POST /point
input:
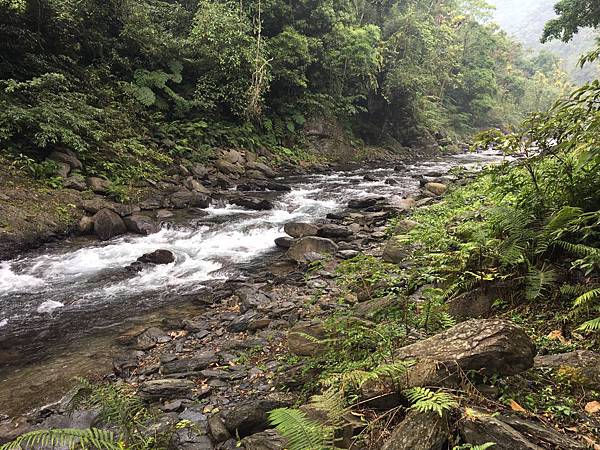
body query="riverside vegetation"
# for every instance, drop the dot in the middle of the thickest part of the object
(468, 318)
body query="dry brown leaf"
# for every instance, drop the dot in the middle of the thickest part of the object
(557, 334)
(592, 407)
(516, 407)
(591, 443)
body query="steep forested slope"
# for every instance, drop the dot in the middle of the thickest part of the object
(525, 19)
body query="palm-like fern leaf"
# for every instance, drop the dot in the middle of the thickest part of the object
(301, 432)
(590, 325)
(425, 400)
(69, 437)
(585, 300)
(539, 282)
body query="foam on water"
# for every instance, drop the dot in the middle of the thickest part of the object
(48, 306)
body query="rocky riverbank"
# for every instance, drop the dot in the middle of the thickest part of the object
(225, 369)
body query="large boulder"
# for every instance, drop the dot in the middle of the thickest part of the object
(257, 204)
(66, 157)
(508, 433)
(108, 224)
(583, 364)
(265, 440)
(436, 188)
(311, 248)
(473, 304)
(188, 199)
(334, 231)
(62, 169)
(166, 389)
(300, 229)
(141, 224)
(419, 431)
(263, 168)
(228, 168)
(284, 242)
(363, 202)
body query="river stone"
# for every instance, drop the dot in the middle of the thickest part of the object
(166, 389)
(108, 224)
(186, 199)
(141, 224)
(196, 186)
(217, 428)
(436, 188)
(193, 364)
(150, 337)
(250, 417)
(255, 175)
(307, 248)
(99, 185)
(263, 168)
(66, 157)
(284, 242)
(583, 364)
(334, 231)
(265, 440)
(256, 204)
(419, 431)
(300, 229)
(160, 256)
(307, 339)
(394, 251)
(363, 202)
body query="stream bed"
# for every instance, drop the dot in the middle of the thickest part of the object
(62, 306)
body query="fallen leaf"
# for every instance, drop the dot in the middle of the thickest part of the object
(592, 407)
(516, 407)
(591, 443)
(557, 334)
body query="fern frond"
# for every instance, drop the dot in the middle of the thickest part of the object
(584, 300)
(426, 400)
(300, 432)
(332, 403)
(70, 437)
(579, 249)
(590, 325)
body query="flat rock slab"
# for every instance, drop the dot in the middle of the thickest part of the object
(585, 363)
(166, 389)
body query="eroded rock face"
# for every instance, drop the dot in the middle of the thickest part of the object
(251, 416)
(108, 224)
(310, 248)
(419, 431)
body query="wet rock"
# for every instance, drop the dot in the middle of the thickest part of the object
(160, 256)
(141, 224)
(307, 339)
(188, 199)
(256, 204)
(251, 417)
(436, 188)
(311, 248)
(166, 389)
(334, 231)
(108, 224)
(217, 428)
(164, 214)
(284, 242)
(583, 364)
(66, 157)
(125, 210)
(241, 322)
(96, 204)
(508, 433)
(391, 182)
(300, 229)
(370, 177)
(419, 431)
(265, 440)
(363, 202)
(86, 225)
(193, 364)
(348, 254)
(99, 185)
(263, 168)
(150, 338)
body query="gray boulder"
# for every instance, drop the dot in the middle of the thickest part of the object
(585, 363)
(263, 168)
(307, 339)
(300, 229)
(99, 185)
(334, 231)
(265, 440)
(141, 224)
(284, 242)
(66, 157)
(250, 417)
(419, 431)
(166, 389)
(309, 248)
(188, 199)
(194, 364)
(256, 204)
(108, 224)
(364, 202)
(160, 256)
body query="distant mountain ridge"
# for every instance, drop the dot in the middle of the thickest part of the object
(525, 19)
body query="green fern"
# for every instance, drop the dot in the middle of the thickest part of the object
(474, 447)
(590, 325)
(300, 432)
(539, 282)
(585, 300)
(426, 400)
(71, 438)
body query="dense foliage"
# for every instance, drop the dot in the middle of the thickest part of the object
(126, 84)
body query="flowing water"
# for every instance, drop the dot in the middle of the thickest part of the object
(60, 306)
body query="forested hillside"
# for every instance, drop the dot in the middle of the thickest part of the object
(525, 19)
(131, 85)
